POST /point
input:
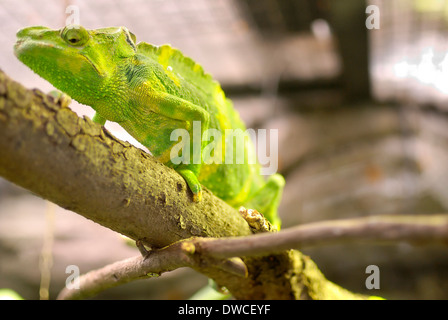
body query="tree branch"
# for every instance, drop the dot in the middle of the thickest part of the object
(157, 261)
(414, 229)
(417, 229)
(78, 165)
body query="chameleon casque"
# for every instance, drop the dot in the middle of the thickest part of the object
(150, 91)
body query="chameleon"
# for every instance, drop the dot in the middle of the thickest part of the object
(151, 91)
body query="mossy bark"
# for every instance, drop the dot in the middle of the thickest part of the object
(77, 164)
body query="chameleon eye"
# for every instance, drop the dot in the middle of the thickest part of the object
(75, 35)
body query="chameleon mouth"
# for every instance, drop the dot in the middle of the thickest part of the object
(24, 46)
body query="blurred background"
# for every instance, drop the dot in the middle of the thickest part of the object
(359, 100)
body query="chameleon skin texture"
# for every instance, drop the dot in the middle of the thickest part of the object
(151, 91)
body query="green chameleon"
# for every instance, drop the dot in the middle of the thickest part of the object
(152, 91)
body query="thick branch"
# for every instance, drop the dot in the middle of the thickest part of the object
(78, 165)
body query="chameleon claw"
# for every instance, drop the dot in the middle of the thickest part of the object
(256, 221)
(197, 197)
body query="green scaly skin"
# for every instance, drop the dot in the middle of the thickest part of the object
(150, 91)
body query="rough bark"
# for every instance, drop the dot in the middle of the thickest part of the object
(80, 166)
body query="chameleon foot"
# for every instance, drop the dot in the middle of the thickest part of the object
(257, 222)
(197, 197)
(193, 183)
(61, 98)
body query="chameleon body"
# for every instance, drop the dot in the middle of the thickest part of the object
(151, 91)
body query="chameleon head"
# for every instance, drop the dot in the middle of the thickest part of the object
(73, 59)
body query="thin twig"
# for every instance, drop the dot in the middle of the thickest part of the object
(156, 262)
(392, 229)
